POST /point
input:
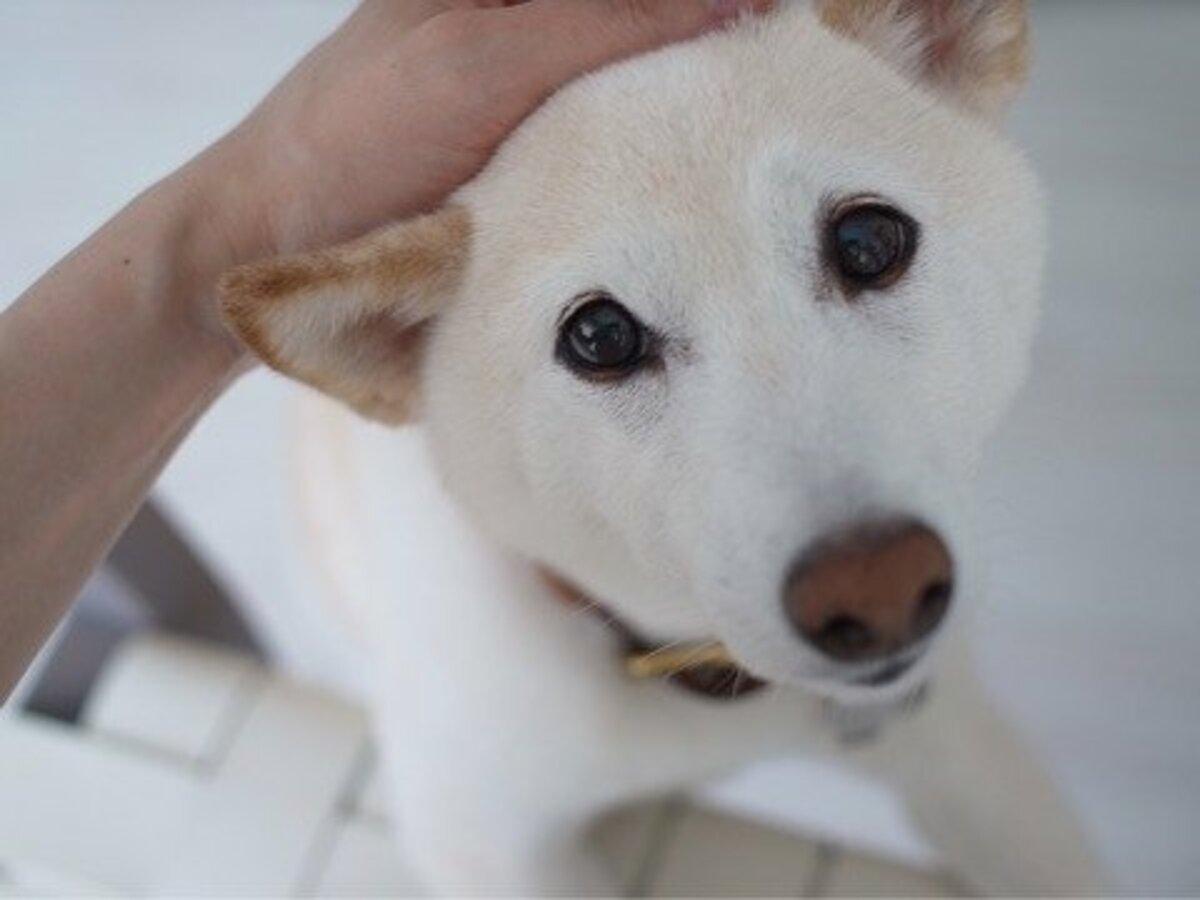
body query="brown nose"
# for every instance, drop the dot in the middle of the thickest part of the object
(871, 591)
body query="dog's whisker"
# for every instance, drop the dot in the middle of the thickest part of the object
(739, 677)
(599, 614)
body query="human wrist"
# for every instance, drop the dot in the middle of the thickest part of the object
(198, 223)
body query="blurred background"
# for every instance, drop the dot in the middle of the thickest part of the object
(1090, 636)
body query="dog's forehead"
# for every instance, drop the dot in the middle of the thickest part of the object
(685, 133)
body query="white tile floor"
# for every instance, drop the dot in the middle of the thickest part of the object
(1093, 626)
(183, 742)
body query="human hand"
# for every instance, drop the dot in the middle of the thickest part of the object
(408, 100)
(112, 355)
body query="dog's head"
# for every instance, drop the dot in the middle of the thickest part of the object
(720, 333)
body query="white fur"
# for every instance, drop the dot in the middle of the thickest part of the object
(689, 183)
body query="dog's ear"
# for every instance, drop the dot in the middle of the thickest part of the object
(350, 320)
(974, 51)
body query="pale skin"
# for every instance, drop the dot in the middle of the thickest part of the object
(108, 360)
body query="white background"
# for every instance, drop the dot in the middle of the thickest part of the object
(1091, 634)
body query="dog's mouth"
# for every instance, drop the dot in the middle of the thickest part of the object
(886, 674)
(706, 668)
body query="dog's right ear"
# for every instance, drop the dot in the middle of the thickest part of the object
(351, 320)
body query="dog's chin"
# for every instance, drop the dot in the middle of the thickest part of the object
(889, 684)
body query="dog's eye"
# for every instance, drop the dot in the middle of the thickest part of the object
(602, 339)
(871, 245)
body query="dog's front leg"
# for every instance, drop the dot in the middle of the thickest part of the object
(982, 798)
(493, 786)
(457, 846)
(485, 810)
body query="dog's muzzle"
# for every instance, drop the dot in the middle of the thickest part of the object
(709, 670)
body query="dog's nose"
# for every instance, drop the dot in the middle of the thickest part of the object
(871, 591)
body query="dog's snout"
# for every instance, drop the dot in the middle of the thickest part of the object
(871, 591)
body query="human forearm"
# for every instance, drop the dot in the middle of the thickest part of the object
(104, 365)
(106, 362)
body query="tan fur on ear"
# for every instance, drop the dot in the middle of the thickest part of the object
(350, 320)
(975, 51)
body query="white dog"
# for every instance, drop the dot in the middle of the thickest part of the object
(705, 359)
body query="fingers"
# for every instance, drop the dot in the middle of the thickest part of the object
(409, 13)
(661, 21)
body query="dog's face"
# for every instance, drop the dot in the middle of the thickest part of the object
(720, 334)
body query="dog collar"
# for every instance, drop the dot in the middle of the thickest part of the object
(703, 668)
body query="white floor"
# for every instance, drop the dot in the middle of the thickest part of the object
(1093, 626)
(187, 744)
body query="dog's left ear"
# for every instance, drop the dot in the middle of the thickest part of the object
(974, 51)
(351, 320)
